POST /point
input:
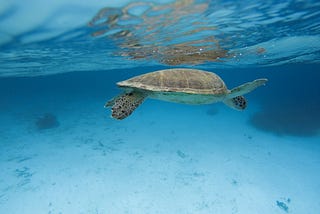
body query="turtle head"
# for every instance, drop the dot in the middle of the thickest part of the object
(238, 103)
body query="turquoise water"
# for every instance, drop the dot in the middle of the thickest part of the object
(61, 152)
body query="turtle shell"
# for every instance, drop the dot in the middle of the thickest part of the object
(191, 81)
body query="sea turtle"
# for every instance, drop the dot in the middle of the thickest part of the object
(180, 85)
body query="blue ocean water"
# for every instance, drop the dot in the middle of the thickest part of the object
(61, 152)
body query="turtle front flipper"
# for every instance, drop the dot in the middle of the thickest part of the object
(125, 104)
(111, 102)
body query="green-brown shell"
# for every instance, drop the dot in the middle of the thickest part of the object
(190, 81)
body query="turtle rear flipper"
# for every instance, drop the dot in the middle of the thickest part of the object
(125, 104)
(246, 88)
(235, 99)
(238, 103)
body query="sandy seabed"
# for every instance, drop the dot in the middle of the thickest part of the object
(165, 158)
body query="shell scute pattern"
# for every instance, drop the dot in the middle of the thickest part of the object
(178, 80)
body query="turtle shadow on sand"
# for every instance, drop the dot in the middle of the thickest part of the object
(212, 111)
(47, 121)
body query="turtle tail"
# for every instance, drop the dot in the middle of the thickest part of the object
(238, 103)
(125, 104)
